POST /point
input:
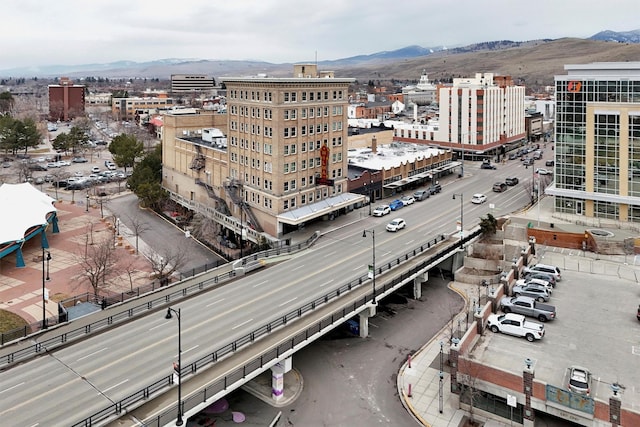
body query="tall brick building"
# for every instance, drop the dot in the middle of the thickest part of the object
(66, 100)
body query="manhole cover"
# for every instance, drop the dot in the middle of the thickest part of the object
(601, 233)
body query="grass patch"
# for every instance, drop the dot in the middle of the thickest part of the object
(10, 321)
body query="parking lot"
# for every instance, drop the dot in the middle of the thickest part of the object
(596, 327)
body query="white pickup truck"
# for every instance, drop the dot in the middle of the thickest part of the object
(515, 324)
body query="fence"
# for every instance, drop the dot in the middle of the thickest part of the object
(109, 300)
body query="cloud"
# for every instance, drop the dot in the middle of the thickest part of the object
(79, 32)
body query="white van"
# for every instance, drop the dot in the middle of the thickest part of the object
(544, 268)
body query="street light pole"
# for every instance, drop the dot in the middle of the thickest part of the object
(370, 192)
(178, 369)
(461, 196)
(373, 275)
(440, 383)
(462, 155)
(44, 299)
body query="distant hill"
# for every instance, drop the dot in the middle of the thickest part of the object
(617, 36)
(533, 62)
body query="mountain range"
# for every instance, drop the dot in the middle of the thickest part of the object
(534, 61)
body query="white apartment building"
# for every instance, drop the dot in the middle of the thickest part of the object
(476, 116)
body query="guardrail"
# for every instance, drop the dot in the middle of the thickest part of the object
(270, 355)
(127, 314)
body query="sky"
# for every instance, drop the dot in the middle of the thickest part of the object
(73, 32)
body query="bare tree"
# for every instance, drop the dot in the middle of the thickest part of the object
(468, 371)
(98, 263)
(137, 227)
(167, 261)
(130, 270)
(204, 228)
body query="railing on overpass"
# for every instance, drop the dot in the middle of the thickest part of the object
(273, 354)
(125, 315)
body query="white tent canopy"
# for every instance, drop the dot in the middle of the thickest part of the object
(22, 206)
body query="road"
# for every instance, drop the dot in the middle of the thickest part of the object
(158, 233)
(74, 382)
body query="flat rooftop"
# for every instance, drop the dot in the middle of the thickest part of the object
(390, 155)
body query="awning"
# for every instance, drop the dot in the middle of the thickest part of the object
(324, 207)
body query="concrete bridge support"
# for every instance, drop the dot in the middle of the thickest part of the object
(417, 284)
(277, 378)
(364, 320)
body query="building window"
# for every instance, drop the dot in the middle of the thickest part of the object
(293, 184)
(293, 202)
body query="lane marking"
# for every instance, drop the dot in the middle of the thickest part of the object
(242, 324)
(287, 302)
(215, 302)
(297, 268)
(261, 283)
(92, 354)
(158, 326)
(189, 349)
(11, 388)
(115, 385)
(327, 282)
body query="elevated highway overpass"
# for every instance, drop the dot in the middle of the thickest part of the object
(127, 370)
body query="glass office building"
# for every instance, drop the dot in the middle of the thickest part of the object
(597, 141)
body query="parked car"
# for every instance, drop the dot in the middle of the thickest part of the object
(537, 292)
(579, 380)
(478, 198)
(515, 324)
(527, 306)
(499, 187)
(540, 275)
(548, 286)
(6, 165)
(435, 188)
(511, 181)
(527, 161)
(513, 156)
(408, 200)
(487, 166)
(421, 195)
(382, 210)
(544, 268)
(396, 224)
(396, 204)
(537, 155)
(79, 160)
(112, 166)
(95, 169)
(549, 163)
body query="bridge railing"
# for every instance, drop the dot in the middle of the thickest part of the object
(273, 354)
(128, 313)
